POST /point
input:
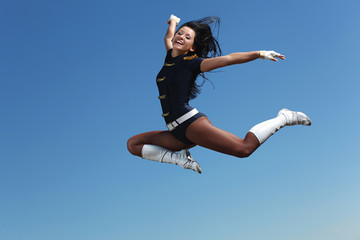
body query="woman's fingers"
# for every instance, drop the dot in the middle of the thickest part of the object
(282, 57)
(274, 55)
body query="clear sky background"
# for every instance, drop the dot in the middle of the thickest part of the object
(77, 79)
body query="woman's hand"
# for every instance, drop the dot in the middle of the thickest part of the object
(175, 18)
(271, 55)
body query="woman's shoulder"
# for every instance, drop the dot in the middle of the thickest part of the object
(193, 61)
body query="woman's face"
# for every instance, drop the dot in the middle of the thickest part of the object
(183, 40)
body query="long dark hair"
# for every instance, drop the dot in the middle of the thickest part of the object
(206, 46)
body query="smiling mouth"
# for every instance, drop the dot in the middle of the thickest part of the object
(179, 42)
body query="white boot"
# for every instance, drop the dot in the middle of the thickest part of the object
(294, 118)
(285, 118)
(160, 154)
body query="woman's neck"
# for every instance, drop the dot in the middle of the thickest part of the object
(175, 53)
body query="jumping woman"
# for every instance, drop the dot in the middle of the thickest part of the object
(191, 51)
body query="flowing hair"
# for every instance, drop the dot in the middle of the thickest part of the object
(206, 45)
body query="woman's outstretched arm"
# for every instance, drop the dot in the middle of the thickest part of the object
(173, 22)
(237, 58)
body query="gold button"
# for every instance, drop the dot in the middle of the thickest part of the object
(165, 114)
(160, 79)
(161, 97)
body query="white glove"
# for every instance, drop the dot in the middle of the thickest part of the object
(173, 17)
(270, 55)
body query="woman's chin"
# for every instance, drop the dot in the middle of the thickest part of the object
(178, 47)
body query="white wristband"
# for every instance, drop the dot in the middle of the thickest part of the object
(270, 55)
(173, 17)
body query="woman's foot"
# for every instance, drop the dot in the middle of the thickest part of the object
(294, 118)
(188, 162)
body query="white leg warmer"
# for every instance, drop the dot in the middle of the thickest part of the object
(160, 154)
(285, 118)
(265, 129)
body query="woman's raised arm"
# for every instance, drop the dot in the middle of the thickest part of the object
(173, 22)
(209, 64)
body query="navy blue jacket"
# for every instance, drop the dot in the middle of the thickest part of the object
(174, 82)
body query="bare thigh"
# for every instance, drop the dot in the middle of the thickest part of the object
(160, 138)
(203, 133)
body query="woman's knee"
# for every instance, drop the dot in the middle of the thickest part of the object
(244, 151)
(133, 146)
(243, 154)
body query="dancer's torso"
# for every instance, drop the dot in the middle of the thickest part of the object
(174, 82)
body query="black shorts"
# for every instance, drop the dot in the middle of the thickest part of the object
(179, 131)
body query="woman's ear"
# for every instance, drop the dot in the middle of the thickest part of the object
(193, 48)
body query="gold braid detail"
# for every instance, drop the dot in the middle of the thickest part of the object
(190, 57)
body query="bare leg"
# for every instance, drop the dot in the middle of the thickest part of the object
(162, 146)
(159, 138)
(203, 133)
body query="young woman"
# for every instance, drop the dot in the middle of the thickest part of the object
(192, 51)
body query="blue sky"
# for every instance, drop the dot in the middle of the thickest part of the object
(77, 79)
